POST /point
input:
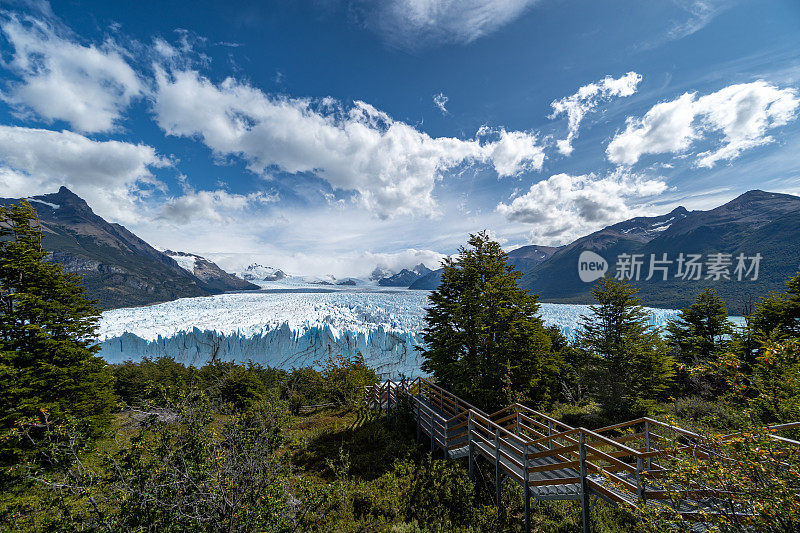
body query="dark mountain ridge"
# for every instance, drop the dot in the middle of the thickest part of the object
(405, 277)
(755, 222)
(118, 268)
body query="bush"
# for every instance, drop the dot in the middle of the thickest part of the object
(345, 379)
(151, 379)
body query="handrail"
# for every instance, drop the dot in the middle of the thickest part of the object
(560, 462)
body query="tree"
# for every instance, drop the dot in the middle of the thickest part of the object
(47, 332)
(775, 382)
(701, 330)
(484, 339)
(345, 378)
(779, 312)
(628, 365)
(750, 476)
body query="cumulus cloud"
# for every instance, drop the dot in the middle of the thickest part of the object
(391, 164)
(440, 101)
(415, 23)
(741, 115)
(588, 97)
(563, 206)
(211, 206)
(59, 79)
(108, 174)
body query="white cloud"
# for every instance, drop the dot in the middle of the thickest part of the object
(109, 175)
(564, 207)
(392, 165)
(513, 151)
(742, 114)
(211, 206)
(587, 99)
(440, 101)
(415, 23)
(87, 86)
(346, 264)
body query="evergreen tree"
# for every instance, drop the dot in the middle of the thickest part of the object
(47, 327)
(701, 330)
(485, 341)
(628, 364)
(779, 312)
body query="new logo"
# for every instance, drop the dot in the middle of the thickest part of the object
(591, 266)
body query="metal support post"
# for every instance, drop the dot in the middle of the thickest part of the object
(470, 447)
(584, 484)
(527, 488)
(497, 465)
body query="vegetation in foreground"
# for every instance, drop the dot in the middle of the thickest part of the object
(157, 446)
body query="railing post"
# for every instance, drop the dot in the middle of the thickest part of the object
(647, 443)
(389, 399)
(527, 487)
(497, 465)
(550, 433)
(380, 399)
(418, 415)
(639, 485)
(516, 408)
(470, 446)
(433, 431)
(584, 483)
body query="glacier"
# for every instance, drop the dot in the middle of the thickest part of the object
(290, 327)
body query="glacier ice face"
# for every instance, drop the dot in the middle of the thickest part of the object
(292, 327)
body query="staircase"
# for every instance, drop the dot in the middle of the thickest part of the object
(547, 458)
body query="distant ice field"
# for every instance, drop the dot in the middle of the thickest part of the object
(292, 326)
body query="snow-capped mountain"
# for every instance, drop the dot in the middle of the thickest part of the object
(380, 273)
(405, 277)
(117, 268)
(209, 272)
(257, 272)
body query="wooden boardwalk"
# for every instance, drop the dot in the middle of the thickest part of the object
(547, 458)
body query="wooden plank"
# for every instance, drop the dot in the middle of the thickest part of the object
(554, 451)
(556, 481)
(594, 453)
(537, 435)
(607, 492)
(506, 418)
(532, 421)
(554, 466)
(620, 425)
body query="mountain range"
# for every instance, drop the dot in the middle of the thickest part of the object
(757, 222)
(118, 268)
(404, 278)
(122, 270)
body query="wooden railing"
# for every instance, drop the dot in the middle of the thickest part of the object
(549, 459)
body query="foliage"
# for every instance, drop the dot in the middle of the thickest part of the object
(151, 379)
(624, 363)
(776, 382)
(747, 482)
(701, 330)
(779, 312)
(305, 386)
(191, 472)
(47, 328)
(697, 336)
(345, 378)
(484, 339)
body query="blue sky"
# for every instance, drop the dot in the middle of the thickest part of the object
(329, 136)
